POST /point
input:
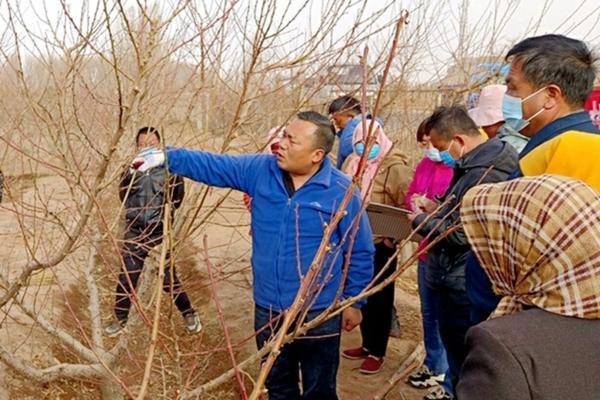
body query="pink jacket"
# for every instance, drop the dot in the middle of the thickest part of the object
(431, 179)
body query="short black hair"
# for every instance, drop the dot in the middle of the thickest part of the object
(560, 60)
(324, 134)
(449, 120)
(346, 104)
(146, 130)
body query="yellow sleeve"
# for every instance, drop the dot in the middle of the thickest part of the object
(485, 135)
(574, 154)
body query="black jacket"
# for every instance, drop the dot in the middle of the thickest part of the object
(145, 196)
(446, 260)
(532, 355)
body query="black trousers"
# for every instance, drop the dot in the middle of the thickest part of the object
(315, 357)
(377, 322)
(454, 320)
(138, 243)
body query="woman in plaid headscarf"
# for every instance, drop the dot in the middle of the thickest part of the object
(538, 240)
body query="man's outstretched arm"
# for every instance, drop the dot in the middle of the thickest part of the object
(238, 172)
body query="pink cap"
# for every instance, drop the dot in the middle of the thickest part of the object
(489, 109)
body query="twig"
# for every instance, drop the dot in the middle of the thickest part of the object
(221, 318)
(159, 285)
(408, 365)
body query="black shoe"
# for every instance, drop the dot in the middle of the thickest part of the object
(423, 378)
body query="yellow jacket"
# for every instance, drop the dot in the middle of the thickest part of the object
(569, 146)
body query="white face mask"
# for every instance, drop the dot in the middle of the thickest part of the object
(433, 154)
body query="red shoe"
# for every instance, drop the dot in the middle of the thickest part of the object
(371, 365)
(355, 354)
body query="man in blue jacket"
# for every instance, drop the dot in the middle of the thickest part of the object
(345, 111)
(290, 207)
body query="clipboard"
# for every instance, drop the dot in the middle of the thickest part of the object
(392, 222)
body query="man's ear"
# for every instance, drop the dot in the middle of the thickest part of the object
(554, 96)
(318, 156)
(459, 139)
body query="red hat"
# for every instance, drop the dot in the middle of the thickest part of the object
(593, 101)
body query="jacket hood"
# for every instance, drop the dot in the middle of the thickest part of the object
(494, 152)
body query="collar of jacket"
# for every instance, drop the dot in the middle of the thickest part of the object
(579, 121)
(507, 130)
(322, 177)
(350, 126)
(491, 152)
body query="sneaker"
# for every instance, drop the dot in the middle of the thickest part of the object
(371, 365)
(355, 354)
(395, 331)
(115, 328)
(438, 393)
(192, 323)
(424, 378)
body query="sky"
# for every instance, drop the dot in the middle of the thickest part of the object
(576, 18)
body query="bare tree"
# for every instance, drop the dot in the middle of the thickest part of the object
(75, 85)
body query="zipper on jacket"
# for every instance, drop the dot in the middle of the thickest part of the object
(282, 235)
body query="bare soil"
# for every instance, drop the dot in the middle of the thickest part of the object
(61, 296)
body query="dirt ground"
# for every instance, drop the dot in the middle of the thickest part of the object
(229, 244)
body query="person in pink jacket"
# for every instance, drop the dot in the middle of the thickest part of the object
(432, 178)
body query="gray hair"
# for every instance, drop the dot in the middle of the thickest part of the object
(557, 59)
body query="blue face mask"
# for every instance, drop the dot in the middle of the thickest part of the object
(433, 154)
(447, 158)
(512, 109)
(360, 149)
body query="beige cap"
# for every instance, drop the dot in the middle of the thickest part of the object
(489, 109)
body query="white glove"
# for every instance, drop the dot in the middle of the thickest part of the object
(149, 158)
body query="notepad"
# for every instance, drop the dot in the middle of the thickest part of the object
(392, 222)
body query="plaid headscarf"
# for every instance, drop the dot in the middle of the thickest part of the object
(538, 239)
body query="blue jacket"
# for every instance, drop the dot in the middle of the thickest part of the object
(345, 135)
(278, 258)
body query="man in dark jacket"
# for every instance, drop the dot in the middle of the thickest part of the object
(475, 161)
(144, 194)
